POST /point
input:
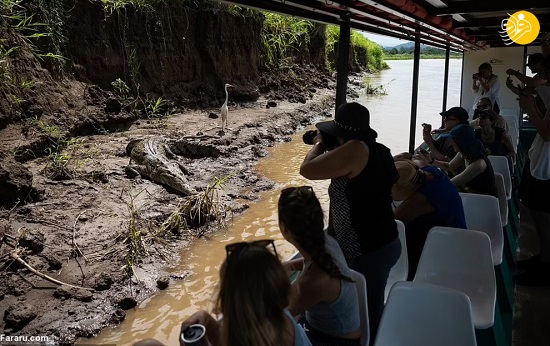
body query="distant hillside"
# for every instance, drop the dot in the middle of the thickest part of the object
(405, 50)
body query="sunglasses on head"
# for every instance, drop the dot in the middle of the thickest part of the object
(237, 247)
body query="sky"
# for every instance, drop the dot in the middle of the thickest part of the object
(384, 41)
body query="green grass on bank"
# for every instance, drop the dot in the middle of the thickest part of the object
(375, 54)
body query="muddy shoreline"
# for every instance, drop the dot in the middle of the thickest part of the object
(79, 232)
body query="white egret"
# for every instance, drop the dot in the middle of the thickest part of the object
(224, 107)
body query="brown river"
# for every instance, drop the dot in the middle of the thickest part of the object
(160, 317)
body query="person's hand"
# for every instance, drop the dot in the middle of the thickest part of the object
(423, 156)
(427, 132)
(475, 76)
(509, 81)
(527, 101)
(199, 317)
(511, 72)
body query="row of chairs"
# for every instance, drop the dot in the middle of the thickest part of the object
(456, 273)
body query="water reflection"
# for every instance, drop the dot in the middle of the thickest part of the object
(160, 317)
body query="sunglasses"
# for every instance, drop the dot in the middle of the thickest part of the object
(240, 246)
(483, 106)
(449, 119)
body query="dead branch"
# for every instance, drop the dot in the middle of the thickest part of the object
(199, 137)
(16, 257)
(75, 245)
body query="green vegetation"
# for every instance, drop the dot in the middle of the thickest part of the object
(375, 54)
(282, 34)
(407, 52)
(197, 210)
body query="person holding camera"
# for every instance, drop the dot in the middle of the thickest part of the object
(441, 149)
(362, 174)
(486, 84)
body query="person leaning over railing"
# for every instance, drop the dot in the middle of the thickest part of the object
(428, 198)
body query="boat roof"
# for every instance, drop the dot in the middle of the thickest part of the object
(459, 24)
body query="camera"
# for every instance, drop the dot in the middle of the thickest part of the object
(329, 141)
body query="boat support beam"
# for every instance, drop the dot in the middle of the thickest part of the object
(414, 98)
(343, 60)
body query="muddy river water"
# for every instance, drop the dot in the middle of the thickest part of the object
(160, 317)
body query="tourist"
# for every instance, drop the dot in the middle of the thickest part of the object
(478, 175)
(441, 148)
(253, 297)
(486, 84)
(325, 295)
(429, 199)
(362, 174)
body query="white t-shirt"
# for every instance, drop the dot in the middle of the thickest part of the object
(493, 94)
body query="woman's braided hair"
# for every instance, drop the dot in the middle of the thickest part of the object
(302, 215)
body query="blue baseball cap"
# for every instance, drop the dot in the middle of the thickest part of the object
(463, 135)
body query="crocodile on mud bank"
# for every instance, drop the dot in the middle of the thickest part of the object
(156, 159)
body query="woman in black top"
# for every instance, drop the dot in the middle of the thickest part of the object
(362, 174)
(478, 175)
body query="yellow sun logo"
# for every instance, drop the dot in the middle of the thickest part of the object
(522, 27)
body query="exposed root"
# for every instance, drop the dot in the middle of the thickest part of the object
(16, 257)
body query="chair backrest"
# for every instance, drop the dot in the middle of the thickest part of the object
(361, 285)
(426, 315)
(400, 270)
(513, 128)
(461, 259)
(500, 165)
(502, 202)
(482, 214)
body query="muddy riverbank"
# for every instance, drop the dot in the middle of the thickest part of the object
(80, 230)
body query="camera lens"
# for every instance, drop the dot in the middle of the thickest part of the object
(309, 136)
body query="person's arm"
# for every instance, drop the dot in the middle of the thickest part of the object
(413, 207)
(527, 102)
(309, 291)
(294, 265)
(510, 151)
(530, 82)
(469, 173)
(428, 139)
(486, 86)
(456, 162)
(346, 160)
(212, 327)
(510, 85)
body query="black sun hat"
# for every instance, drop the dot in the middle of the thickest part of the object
(350, 122)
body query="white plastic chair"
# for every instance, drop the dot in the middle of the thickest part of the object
(502, 202)
(500, 165)
(361, 286)
(482, 214)
(461, 259)
(400, 270)
(426, 315)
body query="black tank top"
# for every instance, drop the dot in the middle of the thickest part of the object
(484, 182)
(360, 207)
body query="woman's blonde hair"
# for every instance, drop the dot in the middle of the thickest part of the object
(254, 292)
